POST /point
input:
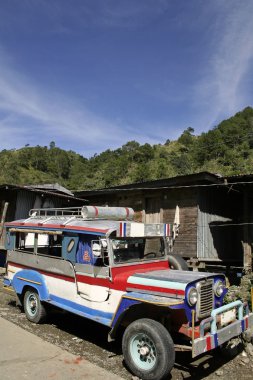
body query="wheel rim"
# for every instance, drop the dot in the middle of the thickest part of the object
(32, 305)
(143, 351)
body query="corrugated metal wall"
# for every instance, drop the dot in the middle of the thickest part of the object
(28, 200)
(218, 235)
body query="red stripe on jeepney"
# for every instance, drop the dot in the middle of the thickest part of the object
(176, 292)
(87, 229)
(246, 322)
(84, 279)
(127, 212)
(120, 229)
(158, 289)
(96, 211)
(208, 343)
(45, 273)
(123, 286)
(127, 270)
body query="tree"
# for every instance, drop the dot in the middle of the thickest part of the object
(52, 145)
(186, 137)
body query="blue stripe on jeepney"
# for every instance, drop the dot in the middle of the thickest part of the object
(216, 342)
(243, 324)
(124, 304)
(124, 229)
(158, 283)
(84, 311)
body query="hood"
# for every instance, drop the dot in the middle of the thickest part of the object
(166, 282)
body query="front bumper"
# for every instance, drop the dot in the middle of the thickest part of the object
(216, 337)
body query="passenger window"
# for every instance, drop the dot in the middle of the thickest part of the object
(70, 245)
(50, 245)
(25, 242)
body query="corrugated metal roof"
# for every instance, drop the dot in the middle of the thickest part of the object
(55, 187)
(40, 191)
(191, 179)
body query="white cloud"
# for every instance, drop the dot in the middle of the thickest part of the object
(221, 91)
(32, 114)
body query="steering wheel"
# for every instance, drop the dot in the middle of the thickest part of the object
(152, 254)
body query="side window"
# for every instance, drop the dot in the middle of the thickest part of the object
(50, 245)
(70, 243)
(42, 244)
(84, 252)
(25, 242)
(89, 250)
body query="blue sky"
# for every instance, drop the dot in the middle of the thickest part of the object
(94, 74)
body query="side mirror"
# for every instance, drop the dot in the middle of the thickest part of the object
(96, 249)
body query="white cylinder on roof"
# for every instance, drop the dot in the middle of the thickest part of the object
(110, 213)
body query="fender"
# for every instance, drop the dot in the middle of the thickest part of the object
(31, 278)
(133, 298)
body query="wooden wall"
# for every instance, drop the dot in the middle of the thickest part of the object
(204, 215)
(158, 206)
(186, 199)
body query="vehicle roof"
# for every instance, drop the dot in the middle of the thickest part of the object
(90, 219)
(94, 226)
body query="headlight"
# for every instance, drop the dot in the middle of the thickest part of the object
(192, 296)
(218, 288)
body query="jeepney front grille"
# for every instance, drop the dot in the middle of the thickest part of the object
(206, 298)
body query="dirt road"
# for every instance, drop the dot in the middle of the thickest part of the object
(85, 338)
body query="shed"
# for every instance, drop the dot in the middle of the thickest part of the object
(211, 210)
(23, 198)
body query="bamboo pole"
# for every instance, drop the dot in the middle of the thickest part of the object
(3, 217)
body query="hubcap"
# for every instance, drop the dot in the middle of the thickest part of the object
(143, 351)
(31, 304)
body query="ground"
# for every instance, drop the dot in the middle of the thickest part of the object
(89, 339)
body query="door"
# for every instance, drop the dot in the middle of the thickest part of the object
(92, 275)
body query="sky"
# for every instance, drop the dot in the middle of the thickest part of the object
(91, 75)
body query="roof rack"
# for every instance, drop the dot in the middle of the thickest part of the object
(66, 211)
(84, 212)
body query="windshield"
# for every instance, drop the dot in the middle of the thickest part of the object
(137, 249)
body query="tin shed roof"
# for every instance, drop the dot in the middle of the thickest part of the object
(191, 179)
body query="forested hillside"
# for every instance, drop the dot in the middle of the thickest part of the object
(226, 149)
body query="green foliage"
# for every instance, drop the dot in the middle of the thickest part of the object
(227, 149)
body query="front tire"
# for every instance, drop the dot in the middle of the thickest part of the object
(34, 310)
(148, 349)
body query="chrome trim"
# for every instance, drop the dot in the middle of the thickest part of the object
(205, 303)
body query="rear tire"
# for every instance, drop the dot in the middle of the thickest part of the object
(176, 262)
(148, 349)
(34, 310)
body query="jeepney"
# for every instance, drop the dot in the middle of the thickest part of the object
(98, 263)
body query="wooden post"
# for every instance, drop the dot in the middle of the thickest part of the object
(247, 252)
(3, 217)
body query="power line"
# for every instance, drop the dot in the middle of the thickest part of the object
(224, 184)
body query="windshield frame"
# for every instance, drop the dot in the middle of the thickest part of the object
(118, 254)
